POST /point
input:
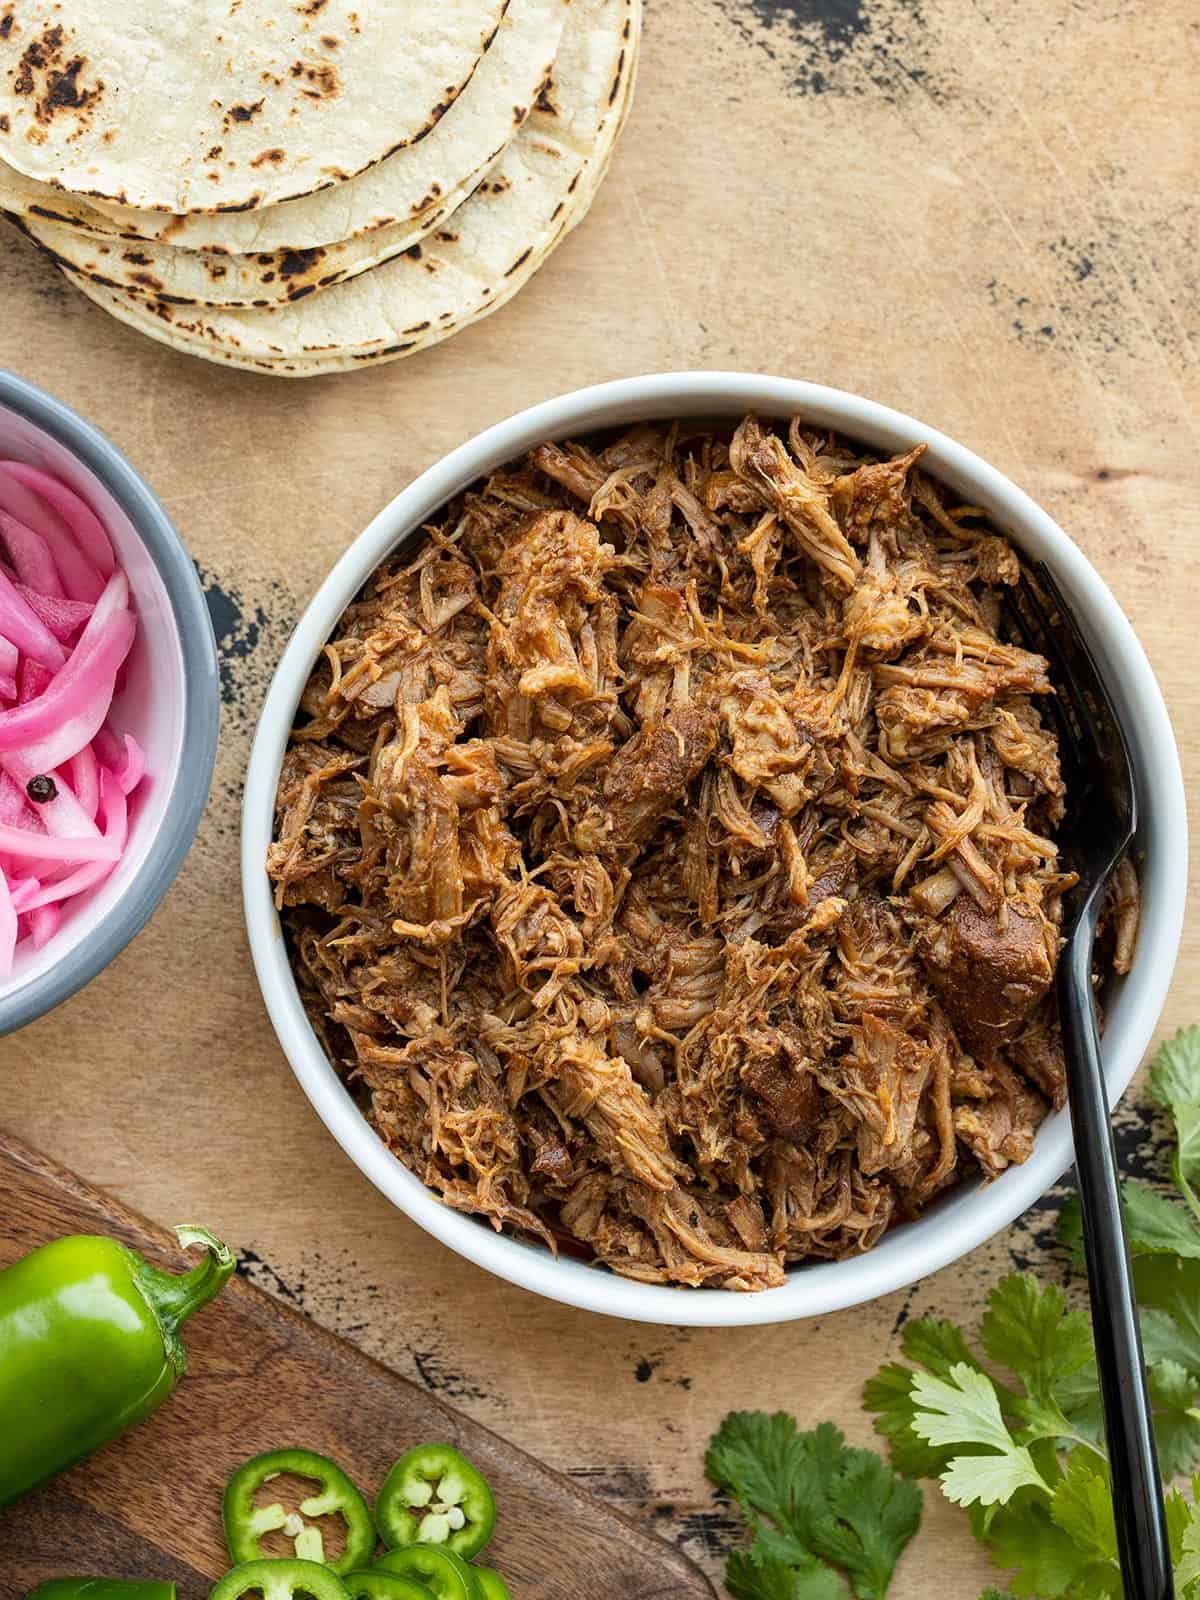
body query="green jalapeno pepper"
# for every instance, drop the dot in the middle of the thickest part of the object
(89, 1345)
(490, 1584)
(245, 1522)
(375, 1585)
(448, 1576)
(281, 1580)
(433, 1495)
(102, 1589)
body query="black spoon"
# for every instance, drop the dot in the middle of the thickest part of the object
(1099, 828)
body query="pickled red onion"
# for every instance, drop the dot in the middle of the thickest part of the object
(62, 835)
(30, 557)
(82, 520)
(63, 617)
(81, 579)
(22, 626)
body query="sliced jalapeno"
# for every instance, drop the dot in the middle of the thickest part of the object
(490, 1585)
(433, 1495)
(246, 1523)
(446, 1575)
(376, 1585)
(281, 1580)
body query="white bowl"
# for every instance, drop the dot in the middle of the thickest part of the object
(973, 1212)
(169, 699)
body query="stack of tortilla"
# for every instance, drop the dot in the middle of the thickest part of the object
(300, 186)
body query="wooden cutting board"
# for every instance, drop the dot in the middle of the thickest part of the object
(261, 1377)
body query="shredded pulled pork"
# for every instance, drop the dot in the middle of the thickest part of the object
(667, 852)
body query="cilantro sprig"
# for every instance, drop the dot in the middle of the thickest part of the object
(1016, 1435)
(816, 1507)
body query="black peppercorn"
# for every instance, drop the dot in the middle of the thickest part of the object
(41, 789)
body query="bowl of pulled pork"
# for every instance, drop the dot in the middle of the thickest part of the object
(652, 854)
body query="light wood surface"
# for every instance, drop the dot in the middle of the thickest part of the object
(984, 215)
(262, 1377)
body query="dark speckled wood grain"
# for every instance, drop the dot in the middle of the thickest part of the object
(262, 1377)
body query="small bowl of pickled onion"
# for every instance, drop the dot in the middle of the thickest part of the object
(109, 702)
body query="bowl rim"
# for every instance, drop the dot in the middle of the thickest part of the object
(201, 700)
(980, 1210)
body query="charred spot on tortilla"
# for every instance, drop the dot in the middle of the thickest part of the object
(330, 41)
(321, 78)
(275, 156)
(297, 292)
(417, 327)
(294, 263)
(618, 80)
(7, 23)
(444, 236)
(5, 125)
(388, 350)
(545, 99)
(414, 252)
(215, 153)
(242, 113)
(137, 258)
(44, 70)
(52, 216)
(519, 262)
(252, 204)
(309, 8)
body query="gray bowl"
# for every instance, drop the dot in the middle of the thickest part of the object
(169, 702)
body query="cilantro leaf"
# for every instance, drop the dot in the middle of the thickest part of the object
(964, 1408)
(1187, 1573)
(1028, 1329)
(1082, 1507)
(1078, 1396)
(889, 1394)
(1022, 1536)
(1069, 1228)
(824, 1499)
(1169, 1293)
(939, 1345)
(1156, 1225)
(1172, 1392)
(748, 1579)
(875, 1513)
(1175, 1084)
(1178, 1516)
(758, 1460)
